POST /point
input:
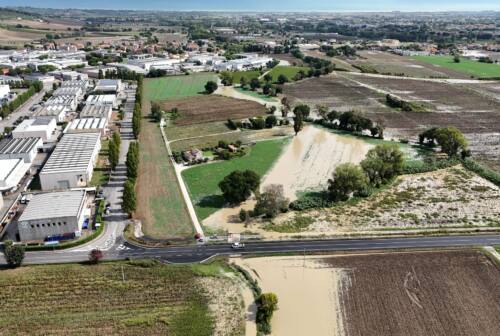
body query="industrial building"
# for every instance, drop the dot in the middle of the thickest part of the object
(109, 85)
(57, 111)
(105, 99)
(11, 173)
(42, 127)
(87, 125)
(71, 164)
(82, 84)
(70, 102)
(97, 111)
(53, 214)
(23, 148)
(76, 92)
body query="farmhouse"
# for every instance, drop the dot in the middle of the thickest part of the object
(57, 111)
(24, 149)
(192, 155)
(53, 214)
(35, 128)
(71, 164)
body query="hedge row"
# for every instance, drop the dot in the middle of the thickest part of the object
(482, 171)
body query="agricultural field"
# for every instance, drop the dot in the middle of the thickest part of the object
(289, 71)
(466, 66)
(202, 181)
(290, 59)
(340, 63)
(189, 131)
(336, 92)
(430, 293)
(255, 94)
(163, 88)
(209, 108)
(57, 25)
(139, 297)
(392, 64)
(13, 38)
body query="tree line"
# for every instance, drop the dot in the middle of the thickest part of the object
(137, 114)
(129, 204)
(34, 87)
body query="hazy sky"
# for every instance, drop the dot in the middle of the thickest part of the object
(267, 5)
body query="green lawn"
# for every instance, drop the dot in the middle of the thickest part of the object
(237, 75)
(176, 86)
(288, 71)
(101, 172)
(202, 181)
(473, 68)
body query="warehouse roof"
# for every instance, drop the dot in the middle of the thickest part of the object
(73, 153)
(87, 124)
(96, 111)
(18, 146)
(101, 99)
(8, 166)
(54, 205)
(38, 124)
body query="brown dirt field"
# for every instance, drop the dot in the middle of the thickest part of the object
(52, 24)
(420, 294)
(289, 58)
(336, 92)
(7, 36)
(202, 109)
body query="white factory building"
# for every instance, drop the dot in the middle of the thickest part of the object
(247, 63)
(87, 125)
(42, 127)
(16, 158)
(109, 85)
(104, 99)
(57, 111)
(11, 173)
(53, 214)
(71, 164)
(70, 102)
(4, 91)
(76, 92)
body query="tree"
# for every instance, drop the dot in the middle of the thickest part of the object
(267, 303)
(239, 185)
(244, 216)
(451, 140)
(303, 109)
(117, 139)
(129, 203)
(210, 87)
(286, 106)
(322, 111)
(268, 77)
(271, 121)
(282, 79)
(298, 123)
(254, 84)
(382, 163)
(100, 74)
(156, 112)
(266, 89)
(14, 254)
(132, 162)
(456, 58)
(272, 201)
(347, 179)
(243, 82)
(113, 154)
(95, 256)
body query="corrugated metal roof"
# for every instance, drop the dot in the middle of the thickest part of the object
(54, 205)
(73, 153)
(18, 146)
(97, 111)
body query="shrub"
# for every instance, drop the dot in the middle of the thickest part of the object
(95, 256)
(14, 254)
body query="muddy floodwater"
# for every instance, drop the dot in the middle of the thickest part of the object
(311, 158)
(308, 293)
(306, 164)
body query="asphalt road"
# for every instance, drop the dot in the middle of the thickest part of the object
(188, 254)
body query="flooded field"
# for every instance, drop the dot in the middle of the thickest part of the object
(306, 164)
(311, 158)
(303, 310)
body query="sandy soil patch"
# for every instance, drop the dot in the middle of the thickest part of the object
(308, 294)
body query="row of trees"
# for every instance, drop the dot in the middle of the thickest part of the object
(137, 114)
(7, 109)
(114, 150)
(129, 196)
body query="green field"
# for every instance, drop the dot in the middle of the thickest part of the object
(237, 75)
(160, 205)
(473, 68)
(176, 86)
(202, 181)
(101, 172)
(120, 298)
(289, 71)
